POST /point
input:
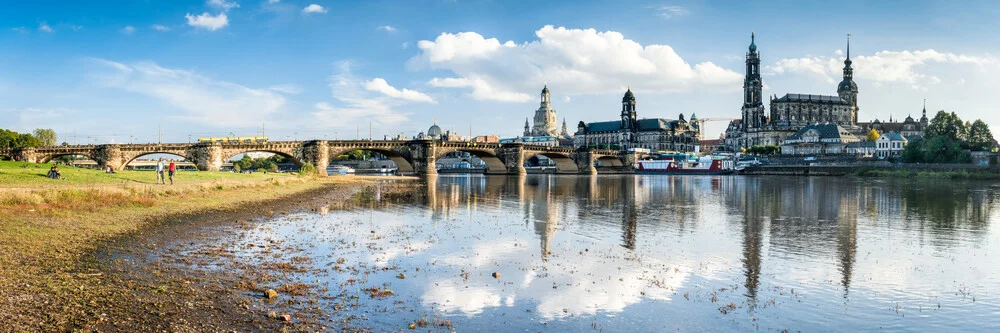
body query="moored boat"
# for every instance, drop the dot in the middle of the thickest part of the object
(683, 166)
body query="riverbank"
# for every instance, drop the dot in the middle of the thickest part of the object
(938, 171)
(53, 234)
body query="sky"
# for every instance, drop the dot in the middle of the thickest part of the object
(142, 71)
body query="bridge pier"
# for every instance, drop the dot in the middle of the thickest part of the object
(317, 153)
(512, 155)
(585, 160)
(422, 153)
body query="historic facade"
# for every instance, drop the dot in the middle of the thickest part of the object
(909, 127)
(826, 138)
(791, 112)
(546, 121)
(654, 134)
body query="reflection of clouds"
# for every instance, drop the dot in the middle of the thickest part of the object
(562, 287)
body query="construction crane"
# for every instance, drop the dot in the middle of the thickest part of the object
(701, 123)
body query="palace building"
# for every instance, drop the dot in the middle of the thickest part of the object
(655, 134)
(791, 112)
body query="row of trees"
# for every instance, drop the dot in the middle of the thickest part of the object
(763, 150)
(269, 163)
(40, 137)
(948, 139)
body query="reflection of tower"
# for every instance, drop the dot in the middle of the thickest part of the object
(546, 217)
(847, 237)
(628, 214)
(752, 241)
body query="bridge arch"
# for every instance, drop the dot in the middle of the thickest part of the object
(51, 156)
(494, 165)
(229, 154)
(404, 163)
(609, 161)
(128, 159)
(564, 162)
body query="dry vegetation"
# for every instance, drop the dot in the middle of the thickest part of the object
(51, 230)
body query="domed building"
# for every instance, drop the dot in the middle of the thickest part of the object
(435, 133)
(655, 134)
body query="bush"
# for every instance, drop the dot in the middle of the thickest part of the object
(308, 170)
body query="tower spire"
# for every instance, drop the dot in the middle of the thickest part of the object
(848, 46)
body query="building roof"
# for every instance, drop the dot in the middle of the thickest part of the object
(645, 124)
(893, 136)
(861, 144)
(826, 131)
(825, 99)
(713, 142)
(435, 130)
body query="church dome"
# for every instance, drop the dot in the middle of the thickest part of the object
(629, 97)
(753, 45)
(908, 119)
(434, 131)
(847, 85)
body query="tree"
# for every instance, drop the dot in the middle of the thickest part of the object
(980, 138)
(46, 135)
(873, 135)
(948, 125)
(938, 149)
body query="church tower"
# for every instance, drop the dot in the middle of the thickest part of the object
(848, 90)
(546, 122)
(527, 128)
(753, 105)
(630, 122)
(923, 119)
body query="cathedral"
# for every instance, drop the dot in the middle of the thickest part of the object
(791, 112)
(655, 134)
(546, 122)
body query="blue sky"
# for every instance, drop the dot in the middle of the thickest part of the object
(113, 70)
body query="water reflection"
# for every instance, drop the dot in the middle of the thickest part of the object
(722, 252)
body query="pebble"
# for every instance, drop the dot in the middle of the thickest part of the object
(270, 293)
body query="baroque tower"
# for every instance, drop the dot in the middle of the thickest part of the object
(848, 90)
(546, 122)
(753, 105)
(629, 119)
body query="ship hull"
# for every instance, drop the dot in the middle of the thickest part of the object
(684, 172)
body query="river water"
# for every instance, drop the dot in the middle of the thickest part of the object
(633, 253)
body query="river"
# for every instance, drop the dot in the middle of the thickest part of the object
(632, 253)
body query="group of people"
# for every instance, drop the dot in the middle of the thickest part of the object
(54, 172)
(171, 169)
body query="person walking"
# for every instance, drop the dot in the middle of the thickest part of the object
(170, 171)
(159, 172)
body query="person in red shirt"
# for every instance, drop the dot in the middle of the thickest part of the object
(171, 170)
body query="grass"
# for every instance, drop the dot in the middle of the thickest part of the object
(49, 230)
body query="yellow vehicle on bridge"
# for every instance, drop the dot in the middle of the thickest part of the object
(235, 139)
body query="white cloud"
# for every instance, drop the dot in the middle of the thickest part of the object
(44, 27)
(314, 9)
(669, 12)
(355, 103)
(128, 30)
(198, 98)
(290, 89)
(22, 30)
(380, 85)
(273, 1)
(578, 61)
(387, 28)
(405, 45)
(75, 27)
(158, 27)
(912, 68)
(223, 4)
(207, 21)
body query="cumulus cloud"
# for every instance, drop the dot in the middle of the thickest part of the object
(223, 4)
(669, 12)
(314, 9)
(579, 61)
(356, 103)
(380, 85)
(198, 98)
(44, 27)
(905, 67)
(158, 27)
(290, 89)
(207, 21)
(128, 30)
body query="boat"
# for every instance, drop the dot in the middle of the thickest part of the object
(339, 170)
(681, 165)
(743, 164)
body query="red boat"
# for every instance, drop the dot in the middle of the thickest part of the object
(703, 166)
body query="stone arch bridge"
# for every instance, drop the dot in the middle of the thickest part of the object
(411, 157)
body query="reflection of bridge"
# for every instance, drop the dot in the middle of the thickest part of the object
(411, 157)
